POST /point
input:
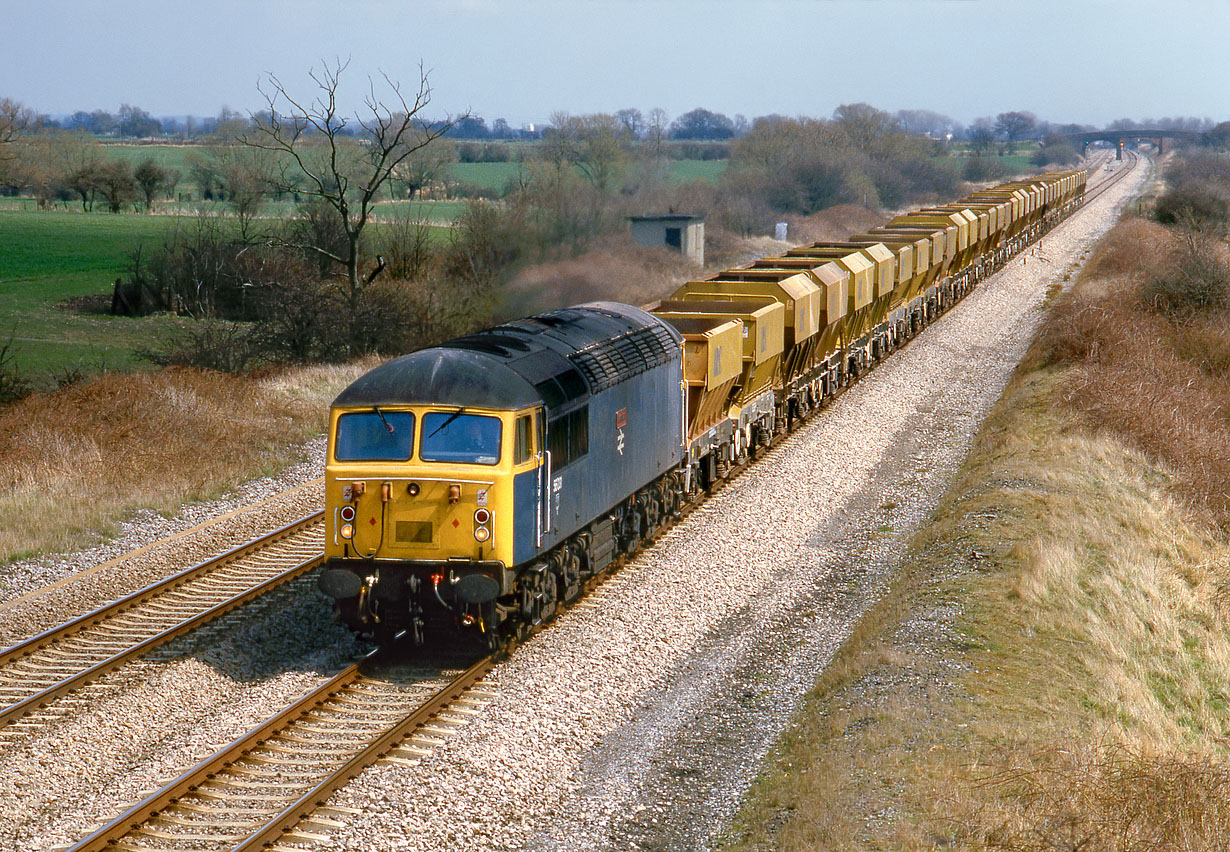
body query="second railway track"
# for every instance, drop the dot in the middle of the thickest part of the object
(36, 672)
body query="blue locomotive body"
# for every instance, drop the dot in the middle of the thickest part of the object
(579, 419)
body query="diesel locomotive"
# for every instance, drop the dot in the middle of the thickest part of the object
(477, 485)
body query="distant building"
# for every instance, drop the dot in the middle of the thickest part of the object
(684, 232)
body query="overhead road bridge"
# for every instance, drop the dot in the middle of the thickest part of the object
(1120, 137)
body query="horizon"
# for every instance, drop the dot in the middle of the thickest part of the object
(523, 60)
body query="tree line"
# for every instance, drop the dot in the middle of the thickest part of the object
(326, 281)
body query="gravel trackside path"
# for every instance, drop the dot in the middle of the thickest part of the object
(639, 718)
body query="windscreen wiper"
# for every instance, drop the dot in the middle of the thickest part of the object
(450, 419)
(387, 424)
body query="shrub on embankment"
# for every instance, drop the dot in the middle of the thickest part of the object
(1051, 669)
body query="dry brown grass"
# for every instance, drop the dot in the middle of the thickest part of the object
(79, 459)
(833, 223)
(1078, 697)
(1162, 384)
(617, 270)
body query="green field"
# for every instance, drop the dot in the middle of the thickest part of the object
(686, 171)
(1017, 164)
(176, 157)
(46, 257)
(487, 175)
(497, 176)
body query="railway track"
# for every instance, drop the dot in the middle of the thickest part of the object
(1096, 189)
(253, 792)
(35, 673)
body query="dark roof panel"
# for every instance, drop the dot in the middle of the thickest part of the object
(556, 359)
(461, 377)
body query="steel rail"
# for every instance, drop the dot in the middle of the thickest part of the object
(1105, 184)
(78, 674)
(287, 816)
(309, 801)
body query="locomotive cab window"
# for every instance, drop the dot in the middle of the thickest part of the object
(460, 438)
(568, 437)
(523, 448)
(374, 436)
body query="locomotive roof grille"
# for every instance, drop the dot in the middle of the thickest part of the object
(609, 362)
(557, 359)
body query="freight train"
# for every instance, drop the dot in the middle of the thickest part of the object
(479, 484)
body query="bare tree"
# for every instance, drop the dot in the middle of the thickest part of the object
(592, 143)
(864, 124)
(14, 119)
(35, 168)
(79, 160)
(981, 135)
(424, 166)
(238, 175)
(1016, 125)
(151, 178)
(319, 158)
(656, 128)
(632, 120)
(925, 121)
(115, 183)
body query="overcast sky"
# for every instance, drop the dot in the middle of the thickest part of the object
(1089, 61)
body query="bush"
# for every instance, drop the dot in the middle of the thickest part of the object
(405, 243)
(981, 169)
(13, 386)
(207, 344)
(803, 166)
(474, 191)
(1192, 207)
(1198, 280)
(485, 246)
(490, 152)
(1059, 154)
(302, 322)
(699, 151)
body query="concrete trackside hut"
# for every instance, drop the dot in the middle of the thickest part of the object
(684, 232)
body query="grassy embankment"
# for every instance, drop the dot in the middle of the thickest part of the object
(78, 460)
(1051, 669)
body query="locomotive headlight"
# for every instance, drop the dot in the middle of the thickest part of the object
(347, 513)
(347, 531)
(482, 534)
(481, 517)
(413, 489)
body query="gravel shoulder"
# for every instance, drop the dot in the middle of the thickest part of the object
(93, 753)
